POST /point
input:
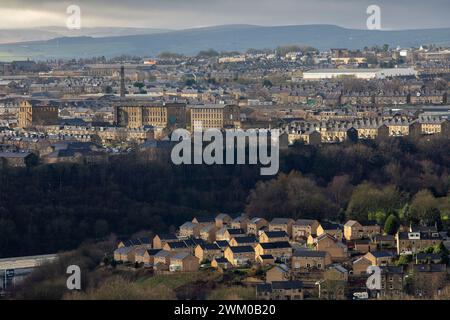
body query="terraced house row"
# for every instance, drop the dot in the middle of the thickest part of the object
(300, 259)
(340, 97)
(316, 132)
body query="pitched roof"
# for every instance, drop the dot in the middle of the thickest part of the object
(249, 239)
(286, 285)
(423, 229)
(392, 269)
(350, 223)
(381, 237)
(209, 246)
(177, 245)
(324, 236)
(381, 254)
(167, 236)
(428, 256)
(14, 154)
(329, 225)
(222, 243)
(305, 222)
(152, 252)
(242, 249)
(208, 228)
(256, 220)
(163, 254)
(180, 255)
(276, 234)
(124, 250)
(362, 241)
(140, 251)
(204, 219)
(235, 231)
(266, 257)
(430, 267)
(221, 260)
(310, 254)
(361, 260)
(265, 287)
(282, 267)
(188, 225)
(222, 216)
(281, 220)
(339, 268)
(275, 245)
(136, 242)
(192, 242)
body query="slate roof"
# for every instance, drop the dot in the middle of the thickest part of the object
(330, 226)
(222, 243)
(310, 254)
(428, 256)
(163, 254)
(286, 285)
(192, 242)
(221, 260)
(391, 269)
(275, 245)
(188, 225)
(180, 256)
(167, 236)
(209, 246)
(276, 234)
(236, 231)
(177, 245)
(266, 257)
(249, 239)
(350, 223)
(305, 222)
(242, 249)
(382, 254)
(124, 250)
(430, 267)
(152, 252)
(205, 219)
(266, 287)
(136, 242)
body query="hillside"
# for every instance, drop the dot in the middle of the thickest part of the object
(222, 38)
(48, 33)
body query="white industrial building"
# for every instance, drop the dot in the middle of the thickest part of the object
(15, 270)
(367, 74)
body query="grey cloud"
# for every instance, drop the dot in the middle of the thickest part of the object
(396, 14)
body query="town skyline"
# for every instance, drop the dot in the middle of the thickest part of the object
(233, 162)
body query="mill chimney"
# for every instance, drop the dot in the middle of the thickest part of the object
(122, 81)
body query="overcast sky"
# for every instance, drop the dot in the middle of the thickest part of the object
(177, 14)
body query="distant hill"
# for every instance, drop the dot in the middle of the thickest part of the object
(222, 38)
(48, 33)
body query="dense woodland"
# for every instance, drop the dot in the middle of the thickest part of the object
(52, 208)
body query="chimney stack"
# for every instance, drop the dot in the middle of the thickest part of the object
(122, 81)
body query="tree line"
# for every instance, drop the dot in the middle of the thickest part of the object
(52, 208)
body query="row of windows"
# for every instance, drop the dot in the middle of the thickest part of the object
(209, 115)
(157, 119)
